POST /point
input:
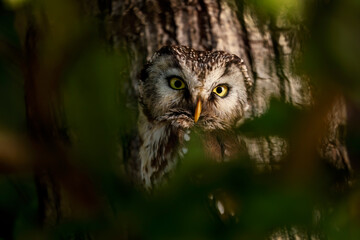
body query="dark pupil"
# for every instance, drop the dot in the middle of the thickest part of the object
(219, 90)
(177, 84)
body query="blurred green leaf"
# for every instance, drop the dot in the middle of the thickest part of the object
(279, 120)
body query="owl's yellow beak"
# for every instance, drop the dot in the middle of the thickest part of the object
(197, 111)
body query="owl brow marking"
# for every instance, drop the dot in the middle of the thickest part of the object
(174, 76)
(226, 71)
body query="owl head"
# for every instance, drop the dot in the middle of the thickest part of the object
(185, 87)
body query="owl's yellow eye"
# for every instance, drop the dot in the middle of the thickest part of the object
(176, 83)
(221, 90)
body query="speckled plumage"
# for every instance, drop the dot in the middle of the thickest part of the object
(166, 115)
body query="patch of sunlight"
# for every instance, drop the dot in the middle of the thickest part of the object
(15, 3)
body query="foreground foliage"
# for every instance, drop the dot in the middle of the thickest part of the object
(73, 63)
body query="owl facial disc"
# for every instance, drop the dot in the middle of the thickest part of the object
(180, 84)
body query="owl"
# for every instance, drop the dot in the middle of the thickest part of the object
(180, 89)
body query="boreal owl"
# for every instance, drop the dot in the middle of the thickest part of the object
(180, 88)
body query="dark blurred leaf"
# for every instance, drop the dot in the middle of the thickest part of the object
(12, 106)
(279, 120)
